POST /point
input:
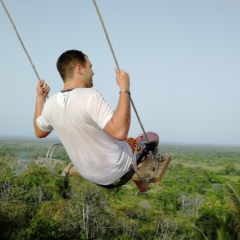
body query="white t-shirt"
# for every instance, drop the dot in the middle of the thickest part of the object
(78, 117)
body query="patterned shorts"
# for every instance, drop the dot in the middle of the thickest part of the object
(133, 143)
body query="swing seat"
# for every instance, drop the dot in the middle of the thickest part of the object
(144, 168)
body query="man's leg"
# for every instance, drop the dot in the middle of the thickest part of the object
(151, 136)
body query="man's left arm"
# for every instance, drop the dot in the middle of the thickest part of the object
(42, 92)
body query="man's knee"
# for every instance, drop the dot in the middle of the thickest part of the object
(152, 136)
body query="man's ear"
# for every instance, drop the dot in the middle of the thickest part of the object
(79, 69)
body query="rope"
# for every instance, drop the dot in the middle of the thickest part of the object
(48, 158)
(116, 62)
(25, 50)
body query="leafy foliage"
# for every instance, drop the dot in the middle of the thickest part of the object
(198, 198)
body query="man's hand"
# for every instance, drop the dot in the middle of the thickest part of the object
(122, 79)
(42, 89)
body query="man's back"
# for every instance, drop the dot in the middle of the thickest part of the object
(79, 116)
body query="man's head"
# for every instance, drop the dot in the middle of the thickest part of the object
(67, 62)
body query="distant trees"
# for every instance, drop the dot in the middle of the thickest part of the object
(191, 202)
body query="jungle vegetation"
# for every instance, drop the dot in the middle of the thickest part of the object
(198, 198)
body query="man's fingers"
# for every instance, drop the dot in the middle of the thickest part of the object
(45, 89)
(44, 85)
(41, 82)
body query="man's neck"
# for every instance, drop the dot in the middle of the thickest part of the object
(72, 85)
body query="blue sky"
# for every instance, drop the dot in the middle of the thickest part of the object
(182, 57)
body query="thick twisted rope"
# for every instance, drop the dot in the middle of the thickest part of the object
(25, 50)
(116, 62)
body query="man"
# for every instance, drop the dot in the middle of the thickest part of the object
(93, 134)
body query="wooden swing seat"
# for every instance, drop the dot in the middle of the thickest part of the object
(144, 168)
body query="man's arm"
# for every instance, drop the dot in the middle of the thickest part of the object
(42, 92)
(118, 126)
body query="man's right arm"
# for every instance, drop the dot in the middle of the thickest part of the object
(118, 126)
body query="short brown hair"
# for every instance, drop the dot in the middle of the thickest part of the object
(67, 62)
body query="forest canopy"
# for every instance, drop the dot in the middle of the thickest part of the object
(198, 198)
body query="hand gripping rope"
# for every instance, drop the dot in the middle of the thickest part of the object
(116, 62)
(153, 152)
(52, 148)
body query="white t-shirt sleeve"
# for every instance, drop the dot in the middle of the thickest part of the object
(43, 123)
(99, 110)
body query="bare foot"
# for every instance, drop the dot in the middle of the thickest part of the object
(142, 186)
